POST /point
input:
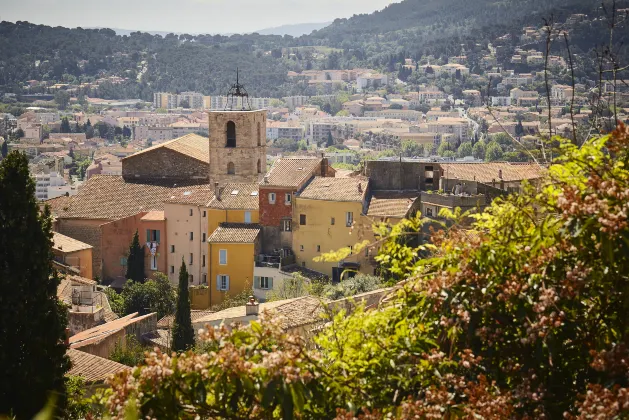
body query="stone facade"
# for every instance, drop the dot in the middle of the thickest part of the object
(237, 146)
(396, 175)
(88, 231)
(163, 163)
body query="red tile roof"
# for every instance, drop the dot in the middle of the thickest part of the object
(292, 172)
(336, 189)
(92, 368)
(100, 332)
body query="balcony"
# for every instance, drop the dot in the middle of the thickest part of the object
(277, 259)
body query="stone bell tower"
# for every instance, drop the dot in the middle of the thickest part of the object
(237, 140)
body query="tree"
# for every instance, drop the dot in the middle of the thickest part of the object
(33, 321)
(465, 149)
(494, 152)
(135, 261)
(396, 106)
(412, 149)
(444, 147)
(19, 133)
(183, 333)
(184, 104)
(154, 295)
(478, 151)
(65, 125)
(62, 98)
(4, 149)
(330, 141)
(126, 132)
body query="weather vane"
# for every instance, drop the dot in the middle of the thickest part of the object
(238, 91)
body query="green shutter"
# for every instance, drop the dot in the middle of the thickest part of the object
(148, 235)
(218, 282)
(157, 236)
(270, 283)
(256, 282)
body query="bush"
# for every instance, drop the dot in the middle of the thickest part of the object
(155, 295)
(360, 283)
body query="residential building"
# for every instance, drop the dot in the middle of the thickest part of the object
(94, 370)
(293, 102)
(329, 205)
(319, 131)
(43, 183)
(73, 253)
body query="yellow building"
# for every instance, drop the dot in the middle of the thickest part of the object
(232, 250)
(233, 203)
(327, 217)
(73, 253)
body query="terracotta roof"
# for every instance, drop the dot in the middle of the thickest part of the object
(154, 216)
(64, 289)
(292, 172)
(336, 189)
(391, 203)
(58, 204)
(235, 233)
(198, 195)
(92, 368)
(193, 145)
(232, 314)
(487, 172)
(161, 338)
(100, 332)
(167, 321)
(111, 197)
(302, 311)
(237, 197)
(66, 244)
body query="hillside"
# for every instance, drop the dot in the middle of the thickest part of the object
(297, 29)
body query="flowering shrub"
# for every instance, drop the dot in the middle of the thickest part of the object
(521, 315)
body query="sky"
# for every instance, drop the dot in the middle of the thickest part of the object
(183, 16)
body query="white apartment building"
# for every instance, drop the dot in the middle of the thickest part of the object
(500, 101)
(370, 80)
(293, 102)
(194, 99)
(43, 182)
(458, 127)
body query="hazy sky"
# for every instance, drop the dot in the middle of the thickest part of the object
(191, 16)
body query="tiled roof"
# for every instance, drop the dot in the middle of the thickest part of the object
(161, 338)
(111, 197)
(237, 197)
(391, 203)
(235, 233)
(230, 314)
(66, 244)
(167, 321)
(487, 172)
(92, 368)
(100, 332)
(336, 189)
(302, 311)
(292, 172)
(64, 290)
(58, 204)
(154, 216)
(198, 195)
(193, 145)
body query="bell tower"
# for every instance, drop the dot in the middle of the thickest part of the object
(237, 140)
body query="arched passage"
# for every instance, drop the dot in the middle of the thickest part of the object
(231, 168)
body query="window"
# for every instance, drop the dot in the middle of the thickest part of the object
(204, 213)
(349, 219)
(154, 262)
(222, 282)
(318, 248)
(172, 269)
(190, 278)
(152, 235)
(259, 138)
(123, 261)
(191, 258)
(247, 217)
(203, 237)
(231, 134)
(191, 236)
(303, 263)
(301, 247)
(262, 282)
(204, 279)
(203, 263)
(271, 198)
(302, 219)
(351, 249)
(287, 199)
(190, 212)
(332, 221)
(172, 249)
(222, 257)
(259, 166)
(231, 168)
(428, 212)
(286, 225)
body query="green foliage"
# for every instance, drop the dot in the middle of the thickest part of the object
(65, 125)
(78, 406)
(183, 333)
(135, 261)
(4, 149)
(154, 295)
(444, 147)
(493, 152)
(33, 321)
(360, 283)
(412, 149)
(62, 98)
(287, 145)
(465, 149)
(132, 353)
(478, 151)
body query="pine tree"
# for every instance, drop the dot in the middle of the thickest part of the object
(183, 333)
(32, 320)
(135, 262)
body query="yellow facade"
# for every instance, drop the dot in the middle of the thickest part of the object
(319, 235)
(239, 268)
(218, 216)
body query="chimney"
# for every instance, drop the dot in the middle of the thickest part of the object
(360, 187)
(217, 191)
(324, 166)
(266, 179)
(500, 173)
(252, 307)
(67, 339)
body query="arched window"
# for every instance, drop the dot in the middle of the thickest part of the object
(259, 167)
(231, 134)
(231, 168)
(259, 136)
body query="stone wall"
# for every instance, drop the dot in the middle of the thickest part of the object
(88, 231)
(250, 146)
(162, 163)
(396, 175)
(81, 321)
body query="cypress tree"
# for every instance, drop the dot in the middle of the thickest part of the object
(183, 333)
(135, 262)
(32, 320)
(4, 149)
